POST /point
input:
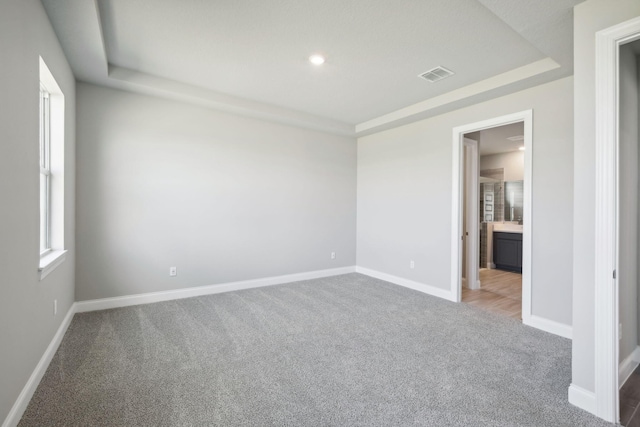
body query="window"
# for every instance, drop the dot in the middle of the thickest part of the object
(51, 152)
(45, 172)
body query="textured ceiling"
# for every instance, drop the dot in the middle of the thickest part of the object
(250, 57)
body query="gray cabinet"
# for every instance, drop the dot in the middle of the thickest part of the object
(507, 251)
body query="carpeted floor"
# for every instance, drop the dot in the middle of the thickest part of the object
(342, 351)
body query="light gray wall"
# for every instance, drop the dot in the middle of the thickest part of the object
(27, 323)
(628, 202)
(589, 17)
(405, 190)
(512, 162)
(223, 198)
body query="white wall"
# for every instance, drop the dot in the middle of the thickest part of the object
(512, 162)
(405, 190)
(628, 254)
(589, 17)
(27, 323)
(223, 198)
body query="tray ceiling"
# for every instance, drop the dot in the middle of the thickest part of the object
(250, 57)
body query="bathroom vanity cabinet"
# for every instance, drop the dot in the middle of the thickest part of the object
(507, 251)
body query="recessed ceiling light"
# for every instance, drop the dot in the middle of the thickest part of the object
(316, 59)
(521, 148)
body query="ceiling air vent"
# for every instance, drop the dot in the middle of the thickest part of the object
(435, 74)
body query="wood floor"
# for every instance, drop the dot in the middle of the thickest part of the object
(630, 401)
(501, 293)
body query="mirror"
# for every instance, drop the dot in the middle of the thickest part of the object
(501, 201)
(513, 200)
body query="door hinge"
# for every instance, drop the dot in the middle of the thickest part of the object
(614, 274)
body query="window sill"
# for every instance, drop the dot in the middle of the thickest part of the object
(50, 261)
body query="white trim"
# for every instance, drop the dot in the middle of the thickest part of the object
(426, 108)
(527, 215)
(456, 217)
(56, 135)
(608, 42)
(416, 286)
(151, 297)
(148, 84)
(464, 283)
(582, 398)
(15, 414)
(456, 203)
(628, 365)
(472, 213)
(50, 261)
(551, 326)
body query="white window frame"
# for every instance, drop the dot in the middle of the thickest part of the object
(51, 171)
(45, 172)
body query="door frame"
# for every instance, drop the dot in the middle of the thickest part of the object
(608, 42)
(471, 176)
(457, 178)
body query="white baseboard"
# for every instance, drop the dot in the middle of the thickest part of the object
(421, 287)
(15, 414)
(128, 300)
(583, 399)
(464, 283)
(550, 326)
(628, 365)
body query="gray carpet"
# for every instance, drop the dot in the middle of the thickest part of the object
(342, 351)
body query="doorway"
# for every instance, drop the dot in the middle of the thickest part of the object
(628, 219)
(461, 252)
(497, 210)
(608, 216)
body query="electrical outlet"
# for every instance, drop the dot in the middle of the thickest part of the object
(173, 271)
(55, 307)
(333, 255)
(412, 264)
